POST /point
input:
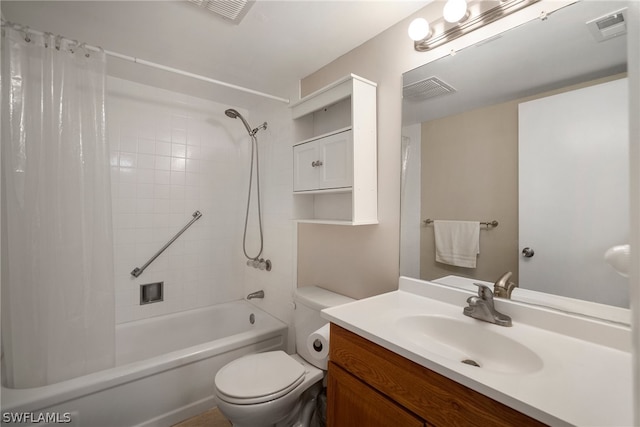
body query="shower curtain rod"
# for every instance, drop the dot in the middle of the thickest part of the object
(158, 66)
(194, 76)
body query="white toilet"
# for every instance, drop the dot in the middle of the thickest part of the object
(274, 388)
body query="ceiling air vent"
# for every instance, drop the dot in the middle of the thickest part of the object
(231, 10)
(426, 89)
(609, 26)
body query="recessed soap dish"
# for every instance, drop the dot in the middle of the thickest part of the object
(151, 292)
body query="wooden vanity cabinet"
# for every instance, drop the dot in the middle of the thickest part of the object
(368, 385)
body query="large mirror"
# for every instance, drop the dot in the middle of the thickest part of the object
(528, 129)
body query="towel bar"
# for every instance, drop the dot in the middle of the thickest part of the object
(488, 224)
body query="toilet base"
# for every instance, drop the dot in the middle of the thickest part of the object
(297, 416)
(302, 413)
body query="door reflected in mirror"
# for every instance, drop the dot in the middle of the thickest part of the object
(530, 130)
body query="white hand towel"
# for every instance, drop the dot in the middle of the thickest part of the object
(457, 242)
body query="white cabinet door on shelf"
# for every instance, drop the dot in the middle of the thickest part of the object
(305, 172)
(325, 163)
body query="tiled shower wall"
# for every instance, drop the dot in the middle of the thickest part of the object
(171, 155)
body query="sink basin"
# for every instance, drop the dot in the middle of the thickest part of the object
(469, 342)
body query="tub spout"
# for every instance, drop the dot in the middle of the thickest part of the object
(258, 294)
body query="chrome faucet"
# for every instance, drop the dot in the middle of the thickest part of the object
(257, 294)
(481, 307)
(503, 286)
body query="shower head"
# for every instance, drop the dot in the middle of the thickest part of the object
(234, 115)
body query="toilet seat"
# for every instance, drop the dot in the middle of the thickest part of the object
(258, 378)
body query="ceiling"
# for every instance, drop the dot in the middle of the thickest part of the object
(538, 56)
(276, 43)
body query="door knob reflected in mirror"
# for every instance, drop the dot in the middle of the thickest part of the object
(527, 252)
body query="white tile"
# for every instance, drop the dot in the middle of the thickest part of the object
(146, 146)
(163, 163)
(163, 134)
(193, 151)
(178, 164)
(126, 191)
(163, 148)
(162, 206)
(127, 175)
(128, 160)
(179, 122)
(177, 192)
(126, 206)
(162, 192)
(192, 178)
(129, 143)
(193, 165)
(179, 136)
(178, 178)
(144, 191)
(146, 176)
(178, 150)
(162, 177)
(144, 206)
(146, 161)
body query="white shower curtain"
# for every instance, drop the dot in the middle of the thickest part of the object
(58, 319)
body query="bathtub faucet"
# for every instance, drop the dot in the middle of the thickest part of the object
(258, 294)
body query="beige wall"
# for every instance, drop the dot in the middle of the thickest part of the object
(364, 260)
(470, 172)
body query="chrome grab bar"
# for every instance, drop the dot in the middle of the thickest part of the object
(138, 270)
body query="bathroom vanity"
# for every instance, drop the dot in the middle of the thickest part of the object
(369, 383)
(411, 358)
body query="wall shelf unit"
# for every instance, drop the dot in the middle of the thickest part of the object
(335, 154)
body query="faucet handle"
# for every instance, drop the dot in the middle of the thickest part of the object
(504, 286)
(484, 291)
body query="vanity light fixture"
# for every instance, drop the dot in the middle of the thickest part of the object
(419, 29)
(455, 11)
(459, 18)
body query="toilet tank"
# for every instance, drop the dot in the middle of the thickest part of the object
(310, 300)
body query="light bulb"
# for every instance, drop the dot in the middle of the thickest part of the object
(454, 10)
(418, 29)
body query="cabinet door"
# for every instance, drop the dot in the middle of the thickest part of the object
(336, 153)
(324, 164)
(305, 174)
(350, 402)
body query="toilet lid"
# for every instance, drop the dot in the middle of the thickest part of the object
(258, 377)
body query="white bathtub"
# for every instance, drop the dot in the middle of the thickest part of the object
(164, 371)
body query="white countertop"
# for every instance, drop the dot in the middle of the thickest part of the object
(585, 378)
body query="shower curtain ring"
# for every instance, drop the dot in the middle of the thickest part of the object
(83, 46)
(47, 37)
(25, 30)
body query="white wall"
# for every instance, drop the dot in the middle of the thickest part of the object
(171, 155)
(410, 179)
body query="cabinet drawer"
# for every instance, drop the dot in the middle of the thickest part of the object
(353, 403)
(324, 164)
(437, 399)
